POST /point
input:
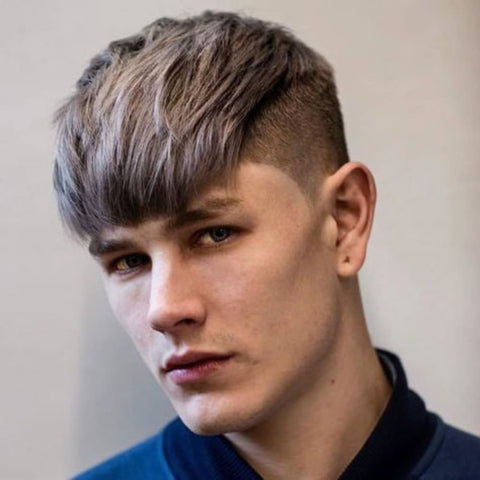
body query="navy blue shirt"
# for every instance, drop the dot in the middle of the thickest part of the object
(408, 442)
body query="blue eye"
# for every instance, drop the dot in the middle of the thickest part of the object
(213, 236)
(219, 234)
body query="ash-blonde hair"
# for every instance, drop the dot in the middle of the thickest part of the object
(160, 115)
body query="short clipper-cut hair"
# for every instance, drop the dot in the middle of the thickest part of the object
(160, 115)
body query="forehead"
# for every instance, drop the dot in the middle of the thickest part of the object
(255, 187)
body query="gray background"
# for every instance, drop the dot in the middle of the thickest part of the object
(72, 388)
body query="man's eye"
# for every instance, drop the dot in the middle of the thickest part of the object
(214, 236)
(128, 262)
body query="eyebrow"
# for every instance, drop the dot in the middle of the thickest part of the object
(207, 210)
(99, 246)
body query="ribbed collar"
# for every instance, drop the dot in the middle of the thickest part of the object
(394, 447)
(401, 435)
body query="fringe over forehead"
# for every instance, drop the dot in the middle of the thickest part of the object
(160, 115)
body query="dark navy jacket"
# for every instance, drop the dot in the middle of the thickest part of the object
(408, 442)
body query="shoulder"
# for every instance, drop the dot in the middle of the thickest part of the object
(144, 461)
(452, 454)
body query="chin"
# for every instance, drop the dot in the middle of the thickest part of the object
(205, 416)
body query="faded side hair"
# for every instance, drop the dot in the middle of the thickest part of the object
(158, 116)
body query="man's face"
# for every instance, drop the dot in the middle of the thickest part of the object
(233, 304)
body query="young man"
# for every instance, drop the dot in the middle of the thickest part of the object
(204, 160)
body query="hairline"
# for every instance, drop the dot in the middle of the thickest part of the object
(208, 207)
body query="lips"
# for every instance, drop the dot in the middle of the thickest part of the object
(194, 366)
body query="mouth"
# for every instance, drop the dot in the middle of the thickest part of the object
(194, 366)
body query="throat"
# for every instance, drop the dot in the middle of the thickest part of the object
(318, 434)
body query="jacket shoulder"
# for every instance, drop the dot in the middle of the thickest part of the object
(144, 461)
(452, 454)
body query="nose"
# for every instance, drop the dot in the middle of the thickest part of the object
(175, 302)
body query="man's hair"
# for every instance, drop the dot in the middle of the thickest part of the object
(160, 115)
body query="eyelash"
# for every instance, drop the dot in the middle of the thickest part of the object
(197, 236)
(112, 266)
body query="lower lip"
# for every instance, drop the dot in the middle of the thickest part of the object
(197, 371)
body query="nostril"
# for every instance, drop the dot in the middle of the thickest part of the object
(163, 327)
(187, 314)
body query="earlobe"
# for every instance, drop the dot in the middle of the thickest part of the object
(354, 195)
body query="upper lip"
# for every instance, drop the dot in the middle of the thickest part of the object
(182, 360)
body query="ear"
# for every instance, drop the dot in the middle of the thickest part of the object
(352, 193)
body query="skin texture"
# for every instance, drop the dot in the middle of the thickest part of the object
(266, 276)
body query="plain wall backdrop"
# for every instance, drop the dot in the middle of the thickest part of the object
(72, 388)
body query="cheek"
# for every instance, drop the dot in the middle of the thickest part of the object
(129, 304)
(273, 289)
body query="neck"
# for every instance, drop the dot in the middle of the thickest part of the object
(318, 433)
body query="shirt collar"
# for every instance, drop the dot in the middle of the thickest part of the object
(401, 435)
